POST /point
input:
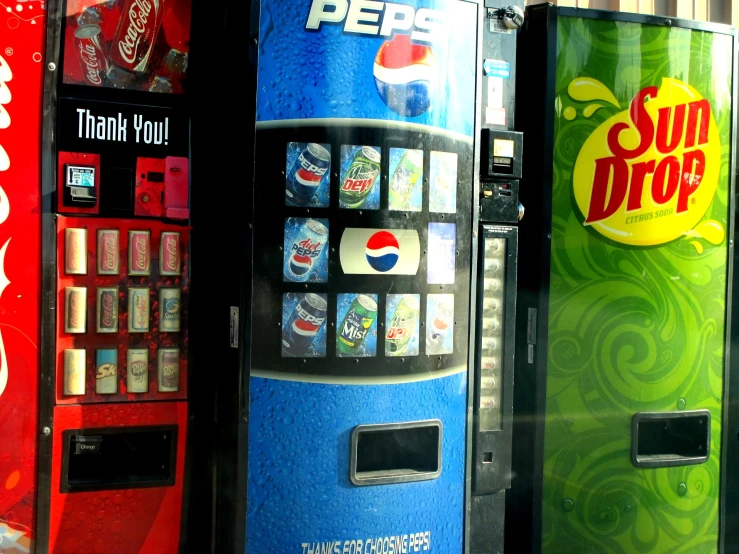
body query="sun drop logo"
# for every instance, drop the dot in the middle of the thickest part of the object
(647, 175)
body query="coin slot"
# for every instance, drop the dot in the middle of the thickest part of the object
(671, 439)
(396, 453)
(487, 457)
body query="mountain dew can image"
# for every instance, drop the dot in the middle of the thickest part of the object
(408, 174)
(356, 324)
(360, 178)
(403, 327)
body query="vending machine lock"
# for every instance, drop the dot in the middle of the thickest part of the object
(79, 185)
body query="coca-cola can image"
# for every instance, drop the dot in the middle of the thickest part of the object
(107, 310)
(75, 361)
(133, 43)
(137, 370)
(108, 251)
(75, 251)
(169, 254)
(139, 253)
(88, 42)
(75, 310)
(168, 369)
(138, 310)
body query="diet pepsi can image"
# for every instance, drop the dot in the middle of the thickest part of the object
(305, 255)
(358, 177)
(307, 175)
(303, 326)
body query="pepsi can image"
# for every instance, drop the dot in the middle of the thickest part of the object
(303, 326)
(304, 251)
(308, 173)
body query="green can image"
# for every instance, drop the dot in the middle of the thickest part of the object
(359, 180)
(404, 182)
(402, 328)
(355, 326)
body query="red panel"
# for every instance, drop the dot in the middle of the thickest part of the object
(22, 37)
(149, 193)
(121, 521)
(122, 340)
(75, 158)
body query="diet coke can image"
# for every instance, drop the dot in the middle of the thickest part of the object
(75, 310)
(75, 251)
(90, 47)
(137, 31)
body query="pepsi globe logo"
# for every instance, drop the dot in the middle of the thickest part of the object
(405, 75)
(382, 251)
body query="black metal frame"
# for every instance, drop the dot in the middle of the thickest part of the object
(535, 118)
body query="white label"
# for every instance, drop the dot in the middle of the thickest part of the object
(234, 327)
(495, 92)
(404, 543)
(495, 116)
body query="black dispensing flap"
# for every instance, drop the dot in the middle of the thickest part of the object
(396, 452)
(662, 439)
(119, 458)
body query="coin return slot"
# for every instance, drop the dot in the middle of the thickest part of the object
(396, 453)
(487, 457)
(119, 458)
(671, 439)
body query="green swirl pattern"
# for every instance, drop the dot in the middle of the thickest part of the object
(631, 329)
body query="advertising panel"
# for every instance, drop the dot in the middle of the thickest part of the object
(360, 105)
(638, 280)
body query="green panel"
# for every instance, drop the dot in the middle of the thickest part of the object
(637, 303)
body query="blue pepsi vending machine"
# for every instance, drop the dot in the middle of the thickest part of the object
(358, 289)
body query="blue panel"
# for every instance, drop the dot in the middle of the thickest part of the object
(331, 72)
(299, 452)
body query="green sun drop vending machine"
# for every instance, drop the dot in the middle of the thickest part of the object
(624, 441)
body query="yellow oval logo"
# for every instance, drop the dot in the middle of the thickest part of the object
(648, 174)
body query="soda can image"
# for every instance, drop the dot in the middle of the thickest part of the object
(90, 47)
(356, 336)
(443, 182)
(106, 371)
(75, 251)
(138, 310)
(168, 369)
(360, 168)
(169, 254)
(133, 43)
(75, 361)
(107, 310)
(401, 336)
(302, 327)
(137, 370)
(307, 175)
(169, 310)
(304, 250)
(406, 184)
(139, 253)
(439, 324)
(108, 251)
(75, 310)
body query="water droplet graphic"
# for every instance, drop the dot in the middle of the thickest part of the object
(591, 109)
(568, 505)
(682, 489)
(587, 89)
(569, 422)
(698, 246)
(627, 508)
(709, 230)
(681, 403)
(570, 113)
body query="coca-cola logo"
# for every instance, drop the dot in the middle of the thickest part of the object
(142, 255)
(171, 254)
(109, 252)
(75, 310)
(138, 21)
(89, 56)
(108, 310)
